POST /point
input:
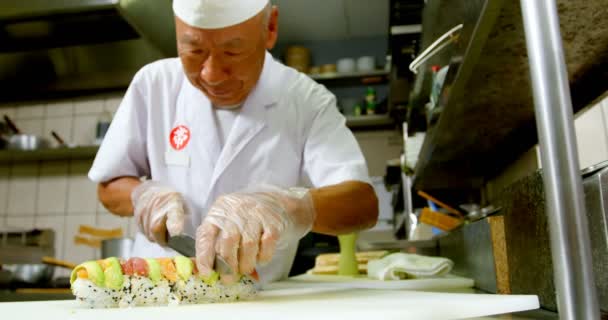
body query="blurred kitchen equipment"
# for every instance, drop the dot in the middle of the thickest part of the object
(34, 273)
(439, 203)
(476, 212)
(4, 129)
(34, 31)
(103, 124)
(101, 233)
(315, 70)
(366, 63)
(443, 41)
(5, 277)
(93, 237)
(27, 142)
(328, 69)
(413, 146)
(21, 141)
(26, 246)
(21, 253)
(58, 138)
(346, 65)
(298, 57)
(120, 248)
(4, 132)
(58, 263)
(11, 125)
(595, 186)
(85, 241)
(439, 220)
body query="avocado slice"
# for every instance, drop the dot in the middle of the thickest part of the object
(94, 271)
(113, 273)
(154, 272)
(184, 267)
(211, 279)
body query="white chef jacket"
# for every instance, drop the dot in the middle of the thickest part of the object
(288, 133)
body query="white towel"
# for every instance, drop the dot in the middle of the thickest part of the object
(397, 266)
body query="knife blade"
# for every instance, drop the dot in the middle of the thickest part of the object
(185, 245)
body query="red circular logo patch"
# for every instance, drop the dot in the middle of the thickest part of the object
(179, 137)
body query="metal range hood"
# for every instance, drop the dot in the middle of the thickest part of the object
(65, 47)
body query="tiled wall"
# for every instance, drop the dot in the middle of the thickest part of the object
(57, 194)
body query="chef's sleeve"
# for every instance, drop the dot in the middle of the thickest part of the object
(331, 152)
(123, 150)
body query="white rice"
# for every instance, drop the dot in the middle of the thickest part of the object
(195, 291)
(144, 292)
(241, 290)
(140, 291)
(93, 296)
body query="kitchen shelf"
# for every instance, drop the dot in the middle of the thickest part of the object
(367, 121)
(487, 112)
(76, 153)
(353, 78)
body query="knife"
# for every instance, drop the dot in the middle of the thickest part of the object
(184, 244)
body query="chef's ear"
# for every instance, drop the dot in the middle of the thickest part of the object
(272, 30)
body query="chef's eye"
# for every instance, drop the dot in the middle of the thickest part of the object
(232, 53)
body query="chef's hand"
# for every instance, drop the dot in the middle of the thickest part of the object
(246, 227)
(158, 210)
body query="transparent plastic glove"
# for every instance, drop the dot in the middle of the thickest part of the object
(245, 228)
(158, 210)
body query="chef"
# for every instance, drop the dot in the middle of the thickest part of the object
(230, 146)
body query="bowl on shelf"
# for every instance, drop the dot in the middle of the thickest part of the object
(366, 63)
(346, 65)
(328, 69)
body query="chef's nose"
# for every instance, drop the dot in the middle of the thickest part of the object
(214, 71)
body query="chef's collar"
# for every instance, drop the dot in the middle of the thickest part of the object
(233, 107)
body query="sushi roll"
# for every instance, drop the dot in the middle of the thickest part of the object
(111, 283)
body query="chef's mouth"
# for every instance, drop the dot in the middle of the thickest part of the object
(220, 93)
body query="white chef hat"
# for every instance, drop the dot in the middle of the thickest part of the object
(213, 14)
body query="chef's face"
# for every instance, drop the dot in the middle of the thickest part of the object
(225, 64)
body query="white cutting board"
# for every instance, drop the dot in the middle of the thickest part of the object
(362, 282)
(298, 303)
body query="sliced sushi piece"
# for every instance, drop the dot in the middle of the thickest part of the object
(151, 282)
(147, 287)
(99, 284)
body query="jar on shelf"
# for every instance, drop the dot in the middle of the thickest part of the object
(370, 101)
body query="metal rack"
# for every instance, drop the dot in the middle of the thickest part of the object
(488, 116)
(570, 244)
